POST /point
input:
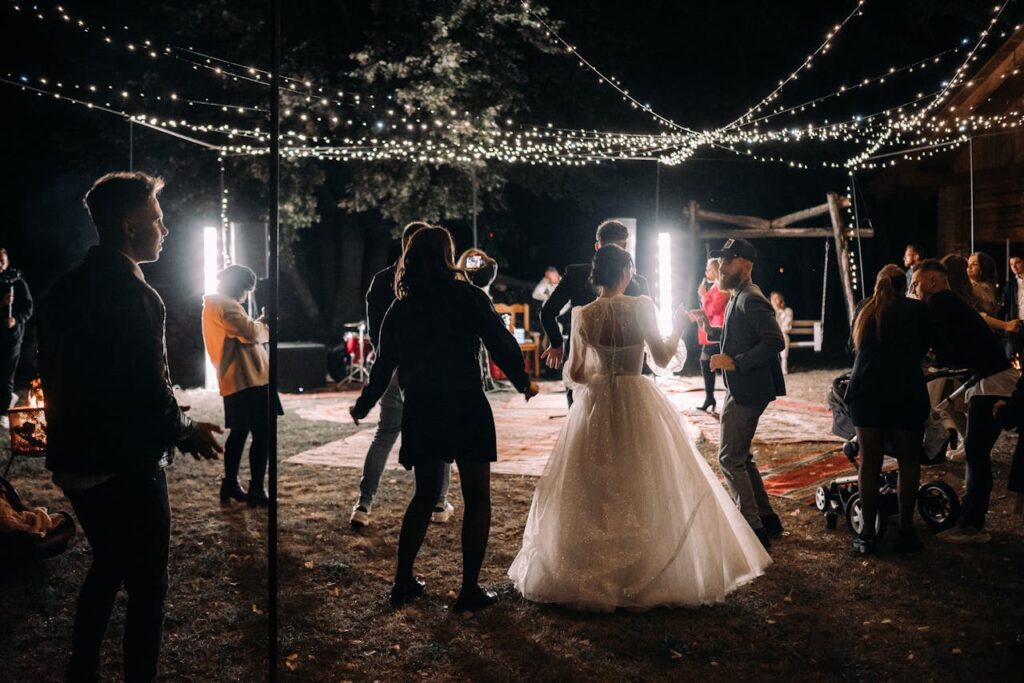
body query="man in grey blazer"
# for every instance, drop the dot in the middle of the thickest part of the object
(751, 342)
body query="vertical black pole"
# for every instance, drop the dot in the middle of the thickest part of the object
(275, 184)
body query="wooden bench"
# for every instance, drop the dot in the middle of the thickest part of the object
(806, 334)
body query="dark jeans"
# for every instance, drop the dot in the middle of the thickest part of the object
(982, 432)
(10, 353)
(706, 351)
(128, 523)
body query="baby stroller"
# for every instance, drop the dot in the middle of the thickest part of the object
(937, 502)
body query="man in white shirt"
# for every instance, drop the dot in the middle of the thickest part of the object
(542, 292)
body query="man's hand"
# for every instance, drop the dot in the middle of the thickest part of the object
(720, 361)
(11, 322)
(531, 391)
(205, 444)
(7, 299)
(1012, 326)
(553, 357)
(352, 414)
(996, 406)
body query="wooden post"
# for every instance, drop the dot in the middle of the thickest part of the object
(842, 255)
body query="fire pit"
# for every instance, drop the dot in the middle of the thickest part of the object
(28, 427)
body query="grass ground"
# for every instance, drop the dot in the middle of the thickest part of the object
(819, 614)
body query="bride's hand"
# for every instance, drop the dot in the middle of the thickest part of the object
(680, 318)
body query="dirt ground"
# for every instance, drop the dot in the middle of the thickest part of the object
(951, 613)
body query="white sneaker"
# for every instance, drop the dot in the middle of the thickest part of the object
(360, 517)
(957, 454)
(14, 400)
(964, 535)
(442, 515)
(5, 422)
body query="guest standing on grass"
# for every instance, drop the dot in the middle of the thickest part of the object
(431, 336)
(15, 310)
(234, 343)
(378, 300)
(113, 422)
(888, 399)
(712, 301)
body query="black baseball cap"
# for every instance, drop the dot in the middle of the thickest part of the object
(736, 248)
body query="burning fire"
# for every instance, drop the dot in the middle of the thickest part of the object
(35, 394)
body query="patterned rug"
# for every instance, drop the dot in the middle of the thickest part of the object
(527, 433)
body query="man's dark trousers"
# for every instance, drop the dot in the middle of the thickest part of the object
(127, 520)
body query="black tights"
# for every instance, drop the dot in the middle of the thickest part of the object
(906, 446)
(476, 519)
(709, 381)
(235, 444)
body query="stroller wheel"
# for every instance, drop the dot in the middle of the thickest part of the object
(855, 518)
(821, 499)
(939, 505)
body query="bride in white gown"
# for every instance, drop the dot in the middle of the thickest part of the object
(628, 513)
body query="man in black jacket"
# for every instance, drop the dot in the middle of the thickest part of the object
(751, 343)
(15, 310)
(379, 298)
(575, 289)
(113, 421)
(962, 339)
(1013, 306)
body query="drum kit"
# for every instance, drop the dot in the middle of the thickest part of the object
(360, 353)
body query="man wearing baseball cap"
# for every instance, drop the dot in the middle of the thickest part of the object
(751, 342)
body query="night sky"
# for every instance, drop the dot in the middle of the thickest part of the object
(700, 64)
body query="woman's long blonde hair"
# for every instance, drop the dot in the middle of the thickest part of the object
(890, 287)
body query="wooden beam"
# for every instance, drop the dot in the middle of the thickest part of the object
(748, 234)
(741, 221)
(797, 216)
(842, 256)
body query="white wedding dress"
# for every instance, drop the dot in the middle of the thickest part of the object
(628, 514)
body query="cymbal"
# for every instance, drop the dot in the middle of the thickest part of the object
(355, 324)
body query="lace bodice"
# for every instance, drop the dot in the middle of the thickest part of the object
(609, 339)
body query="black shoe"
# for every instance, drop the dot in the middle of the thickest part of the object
(404, 591)
(709, 406)
(474, 600)
(257, 496)
(865, 545)
(231, 490)
(762, 535)
(908, 543)
(772, 524)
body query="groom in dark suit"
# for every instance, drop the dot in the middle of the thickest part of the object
(576, 290)
(751, 342)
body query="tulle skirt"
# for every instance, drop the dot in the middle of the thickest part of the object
(628, 514)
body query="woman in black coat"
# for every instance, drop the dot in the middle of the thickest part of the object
(888, 399)
(432, 335)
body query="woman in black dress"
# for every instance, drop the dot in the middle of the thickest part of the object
(432, 335)
(888, 399)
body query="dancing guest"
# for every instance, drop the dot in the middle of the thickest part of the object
(981, 268)
(379, 298)
(751, 341)
(888, 400)
(575, 289)
(113, 422)
(783, 316)
(234, 343)
(480, 268)
(961, 339)
(712, 302)
(431, 336)
(15, 310)
(960, 282)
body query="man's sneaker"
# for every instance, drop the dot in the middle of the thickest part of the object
(360, 517)
(442, 514)
(14, 400)
(762, 535)
(964, 534)
(958, 454)
(5, 422)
